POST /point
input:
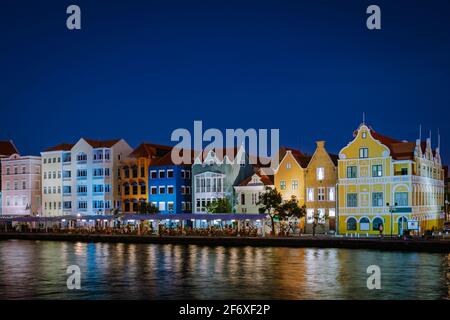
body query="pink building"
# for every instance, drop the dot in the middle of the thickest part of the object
(21, 185)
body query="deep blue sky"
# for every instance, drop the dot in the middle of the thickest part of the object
(139, 69)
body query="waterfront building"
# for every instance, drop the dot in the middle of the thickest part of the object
(446, 193)
(55, 183)
(7, 148)
(248, 191)
(169, 186)
(21, 185)
(79, 178)
(215, 174)
(133, 183)
(320, 184)
(289, 177)
(389, 182)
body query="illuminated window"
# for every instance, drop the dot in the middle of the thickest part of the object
(320, 173)
(377, 170)
(364, 224)
(321, 194)
(363, 152)
(332, 213)
(294, 184)
(331, 194)
(310, 194)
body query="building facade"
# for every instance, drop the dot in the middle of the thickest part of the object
(21, 185)
(289, 177)
(388, 182)
(80, 178)
(133, 179)
(56, 179)
(320, 183)
(170, 186)
(215, 175)
(7, 149)
(248, 191)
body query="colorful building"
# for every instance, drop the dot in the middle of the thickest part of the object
(79, 178)
(320, 184)
(21, 185)
(53, 160)
(289, 177)
(133, 183)
(216, 174)
(248, 191)
(389, 182)
(169, 186)
(7, 149)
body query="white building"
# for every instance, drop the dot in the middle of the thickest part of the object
(81, 178)
(249, 190)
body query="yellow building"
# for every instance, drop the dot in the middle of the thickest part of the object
(133, 175)
(383, 179)
(289, 177)
(321, 180)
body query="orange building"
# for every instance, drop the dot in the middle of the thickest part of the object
(133, 175)
(321, 180)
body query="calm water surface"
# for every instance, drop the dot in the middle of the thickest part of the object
(37, 270)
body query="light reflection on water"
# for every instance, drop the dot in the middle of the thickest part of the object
(37, 270)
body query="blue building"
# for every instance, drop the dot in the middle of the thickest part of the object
(169, 186)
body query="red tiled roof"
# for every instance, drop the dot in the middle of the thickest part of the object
(400, 150)
(7, 148)
(166, 160)
(150, 150)
(101, 143)
(265, 179)
(60, 147)
(303, 161)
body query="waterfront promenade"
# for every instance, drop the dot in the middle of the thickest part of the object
(416, 244)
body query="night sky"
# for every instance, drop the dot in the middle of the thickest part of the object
(140, 69)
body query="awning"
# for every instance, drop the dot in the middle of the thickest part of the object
(128, 216)
(195, 216)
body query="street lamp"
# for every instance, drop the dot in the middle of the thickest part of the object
(391, 210)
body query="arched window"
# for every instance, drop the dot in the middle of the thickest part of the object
(351, 224)
(134, 186)
(376, 223)
(126, 171)
(364, 224)
(364, 220)
(127, 205)
(126, 189)
(143, 187)
(135, 171)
